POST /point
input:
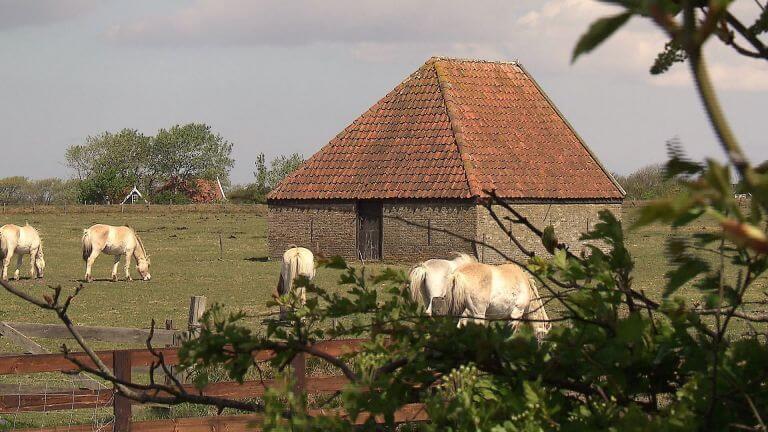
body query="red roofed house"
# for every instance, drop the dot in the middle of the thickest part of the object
(407, 179)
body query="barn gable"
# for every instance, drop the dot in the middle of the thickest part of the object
(452, 130)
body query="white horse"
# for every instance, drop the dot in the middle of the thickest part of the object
(20, 241)
(117, 241)
(429, 278)
(481, 291)
(297, 261)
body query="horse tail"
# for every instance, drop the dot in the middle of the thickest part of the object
(535, 310)
(418, 279)
(288, 271)
(456, 293)
(87, 244)
(3, 245)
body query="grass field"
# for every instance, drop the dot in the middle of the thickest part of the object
(187, 261)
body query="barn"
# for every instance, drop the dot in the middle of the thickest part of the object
(409, 178)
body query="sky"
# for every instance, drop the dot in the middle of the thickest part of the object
(284, 76)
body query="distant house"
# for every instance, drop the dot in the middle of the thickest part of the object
(408, 179)
(197, 190)
(133, 197)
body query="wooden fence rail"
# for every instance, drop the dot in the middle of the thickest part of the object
(124, 361)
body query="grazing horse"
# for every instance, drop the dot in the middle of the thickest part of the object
(481, 291)
(117, 241)
(429, 278)
(297, 261)
(20, 241)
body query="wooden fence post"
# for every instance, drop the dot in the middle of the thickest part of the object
(196, 309)
(121, 363)
(299, 366)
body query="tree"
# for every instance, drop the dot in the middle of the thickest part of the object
(266, 178)
(12, 189)
(281, 167)
(106, 187)
(649, 182)
(617, 360)
(191, 151)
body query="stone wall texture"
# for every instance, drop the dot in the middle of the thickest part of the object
(419, 230)
(570, 220)
(325, 227)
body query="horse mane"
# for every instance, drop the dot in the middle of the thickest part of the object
(140, 243)
(417, 278)
(461, 258)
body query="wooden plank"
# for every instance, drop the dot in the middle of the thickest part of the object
(106, 334)
(122, 405)
(28, 345)
(55, 400)
(25, 364)
(42, 399)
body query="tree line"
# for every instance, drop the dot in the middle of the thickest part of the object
(107, 166)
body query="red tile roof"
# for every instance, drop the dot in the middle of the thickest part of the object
(454, 129)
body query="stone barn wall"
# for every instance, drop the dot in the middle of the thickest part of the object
(570, 220)
(415, 230)
(324, 227)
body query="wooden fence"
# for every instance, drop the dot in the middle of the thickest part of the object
(88, 393)
(125, 361)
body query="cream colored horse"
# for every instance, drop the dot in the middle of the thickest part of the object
(20, 241)
(297, 261)
(429, 279)
(481, 292)
(117, 241)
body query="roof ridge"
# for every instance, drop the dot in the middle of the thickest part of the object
(434, 59)
(457, 138)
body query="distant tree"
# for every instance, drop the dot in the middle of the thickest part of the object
(649, 182)
(12, 189)
(191, 151)
(280, 167)
(127, 153)
(266, 178)
(50, 191)
(102, 188)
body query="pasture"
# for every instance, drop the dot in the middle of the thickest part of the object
(187, 260)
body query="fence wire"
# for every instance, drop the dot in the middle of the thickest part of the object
(60, 400)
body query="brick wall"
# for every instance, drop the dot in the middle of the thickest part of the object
(568, 219)
(415, 230)
(326, 228)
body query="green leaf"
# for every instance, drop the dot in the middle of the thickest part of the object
(549, 239)
(684, 273)
(598, 32)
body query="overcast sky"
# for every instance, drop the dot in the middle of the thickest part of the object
(281, 76)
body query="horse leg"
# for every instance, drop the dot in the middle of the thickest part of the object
(7, 263)
(127, 268)
(114, 268)
(516, 315)
(32, 268)
(89, 265)
(19, 257)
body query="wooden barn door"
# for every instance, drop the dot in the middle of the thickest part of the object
(369, 230)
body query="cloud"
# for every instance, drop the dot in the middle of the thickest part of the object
(20, 13)
(299, 22)
(540, 33)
